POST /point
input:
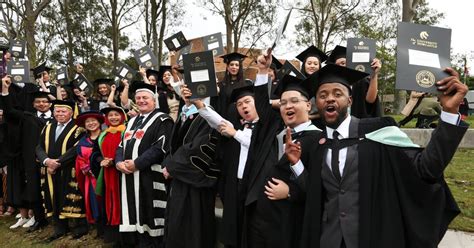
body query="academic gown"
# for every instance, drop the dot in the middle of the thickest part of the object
(12, 152)
(360, 108)
(283, 218)
(30, 127)
(403, 198)
(190, 220)
(143, 195)
(262, 146)
(61, 192)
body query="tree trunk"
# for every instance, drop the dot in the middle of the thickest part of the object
(408, 12)
(162, 31)
(70, 41)
(148, 23)
(29, 23)
(115, 30)
(228, 24)
(154, 24)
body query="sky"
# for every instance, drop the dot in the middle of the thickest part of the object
(458, 17)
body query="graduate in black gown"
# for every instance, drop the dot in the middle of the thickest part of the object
(193, 174)
(376, 188)
(280, 206)
(31, 125)
(242, 137)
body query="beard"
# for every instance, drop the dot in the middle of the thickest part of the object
(340, 118)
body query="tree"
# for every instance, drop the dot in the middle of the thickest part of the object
(326, 21)
(243, 19)
(119, 14)
(78, 33)
(26, 13)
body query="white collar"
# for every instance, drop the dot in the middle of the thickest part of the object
(342, 129)
(47, 114)
(302, 126)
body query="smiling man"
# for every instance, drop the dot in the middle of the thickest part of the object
(372, 187)
(143, 196)
(56, 151)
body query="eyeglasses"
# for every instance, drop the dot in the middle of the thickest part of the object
(293, 101)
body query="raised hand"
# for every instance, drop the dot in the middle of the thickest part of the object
(292, 150)
(452, 91)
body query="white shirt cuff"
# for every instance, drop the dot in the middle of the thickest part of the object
(261, 79)
(450, 118)
(44, 161)
(4, 94)
(297, 168)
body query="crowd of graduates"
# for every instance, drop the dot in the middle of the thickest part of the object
(296, 161)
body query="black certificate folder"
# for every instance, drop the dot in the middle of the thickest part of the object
(19, 71)
(422, 54)
(200, 74)
(360, 53)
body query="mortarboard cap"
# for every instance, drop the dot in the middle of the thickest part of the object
(40, 69)
(312, 51)
(233, 57)
(138, 86)
(332, 73)
(150, 72)
(61, 103)
(40, 94)
(289, 82)
(337, 53)
(276, 64)
(108, 81)
(240, 92)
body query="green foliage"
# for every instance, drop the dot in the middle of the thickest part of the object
(82, 30)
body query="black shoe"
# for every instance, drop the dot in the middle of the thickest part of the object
(38, 225)
(78, 235)
(56, 236)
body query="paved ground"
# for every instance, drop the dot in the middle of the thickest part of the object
(454, 239)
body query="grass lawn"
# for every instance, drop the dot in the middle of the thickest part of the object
(411, 124)
(460, 178)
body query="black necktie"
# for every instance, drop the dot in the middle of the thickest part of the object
(335, 156)
(248, 124)
(138, 123)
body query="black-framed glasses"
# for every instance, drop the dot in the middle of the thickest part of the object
(293, 100)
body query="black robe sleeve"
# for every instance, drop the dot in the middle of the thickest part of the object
(194, 162)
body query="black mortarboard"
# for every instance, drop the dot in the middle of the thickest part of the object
(233, 57)
(108, 81)
(61, 103)
(238, 93)
(150, 72)
(141, 86)
(312, 51)
(289, 68)
(40, 69)
(333, 73)
(289, 82)
(276, 63)
(40, 94)
(337, 53)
